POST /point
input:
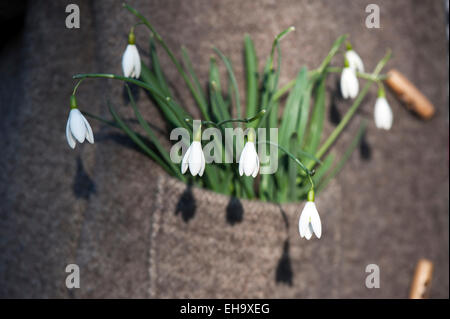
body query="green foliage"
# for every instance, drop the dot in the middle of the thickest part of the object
(300, 125)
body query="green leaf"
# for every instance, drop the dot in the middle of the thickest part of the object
(291, 111)
(281, 181)
(148, 77)
(251, 68)
(161, 79)
(232, 78)
(153, 89)
(317, 119)
(345, 157)
(292, 170)
(218, 107)
(137, 140)
(165, 155)
(304, 113)
(273, 117)
(190, 68)
(269, 87)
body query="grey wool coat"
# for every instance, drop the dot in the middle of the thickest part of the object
(135, 232)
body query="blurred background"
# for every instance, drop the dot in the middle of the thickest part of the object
(136, 233)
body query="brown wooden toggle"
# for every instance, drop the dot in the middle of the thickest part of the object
(420, 288)
(409, 94)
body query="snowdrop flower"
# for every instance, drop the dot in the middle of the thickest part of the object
(349, 82)
(77, 128)
(131, 61)
(249, 161)
(353, 59)
(194, 157)
(382, 112)
(309, 221)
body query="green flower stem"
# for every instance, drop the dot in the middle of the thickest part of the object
(320, 70)
(197, 133)
(131, 37)
(73, 102)
(276, 41)
(138, 83)
(152, 136)
(198, 98)
(134, 137)
(278, 94)
(135, 25)
(267, 99)
(295, 159)
(381, 92)
(324, 182)
(335, 48)
(362, 75)
(337, 131)
(311, 193)
(76, 87)
(219, 124)
(283, 90)
(251, 135)
(348, 46)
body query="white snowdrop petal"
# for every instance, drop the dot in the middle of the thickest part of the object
(203, 165)
(383, 114)
(250, 159)
(344, 86)
(195, 158)
(127, 60)
(378, 115)
(354, 60)
(304, 220)
(242, 160)
(77, 126)
(353, 85)
(349, 83)
(89, 133)
(249, 165)
(301, 227)
(315, 222)
(70, 139)
(309, 232)
(256, 171)
(137, 63)
(185, 161)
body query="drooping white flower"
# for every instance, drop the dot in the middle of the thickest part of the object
(249, 161)
(131, 61)
(78, 128)
(349, 83)
(354, 61)
(194, 159)
(309, 221)
(383, 114)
